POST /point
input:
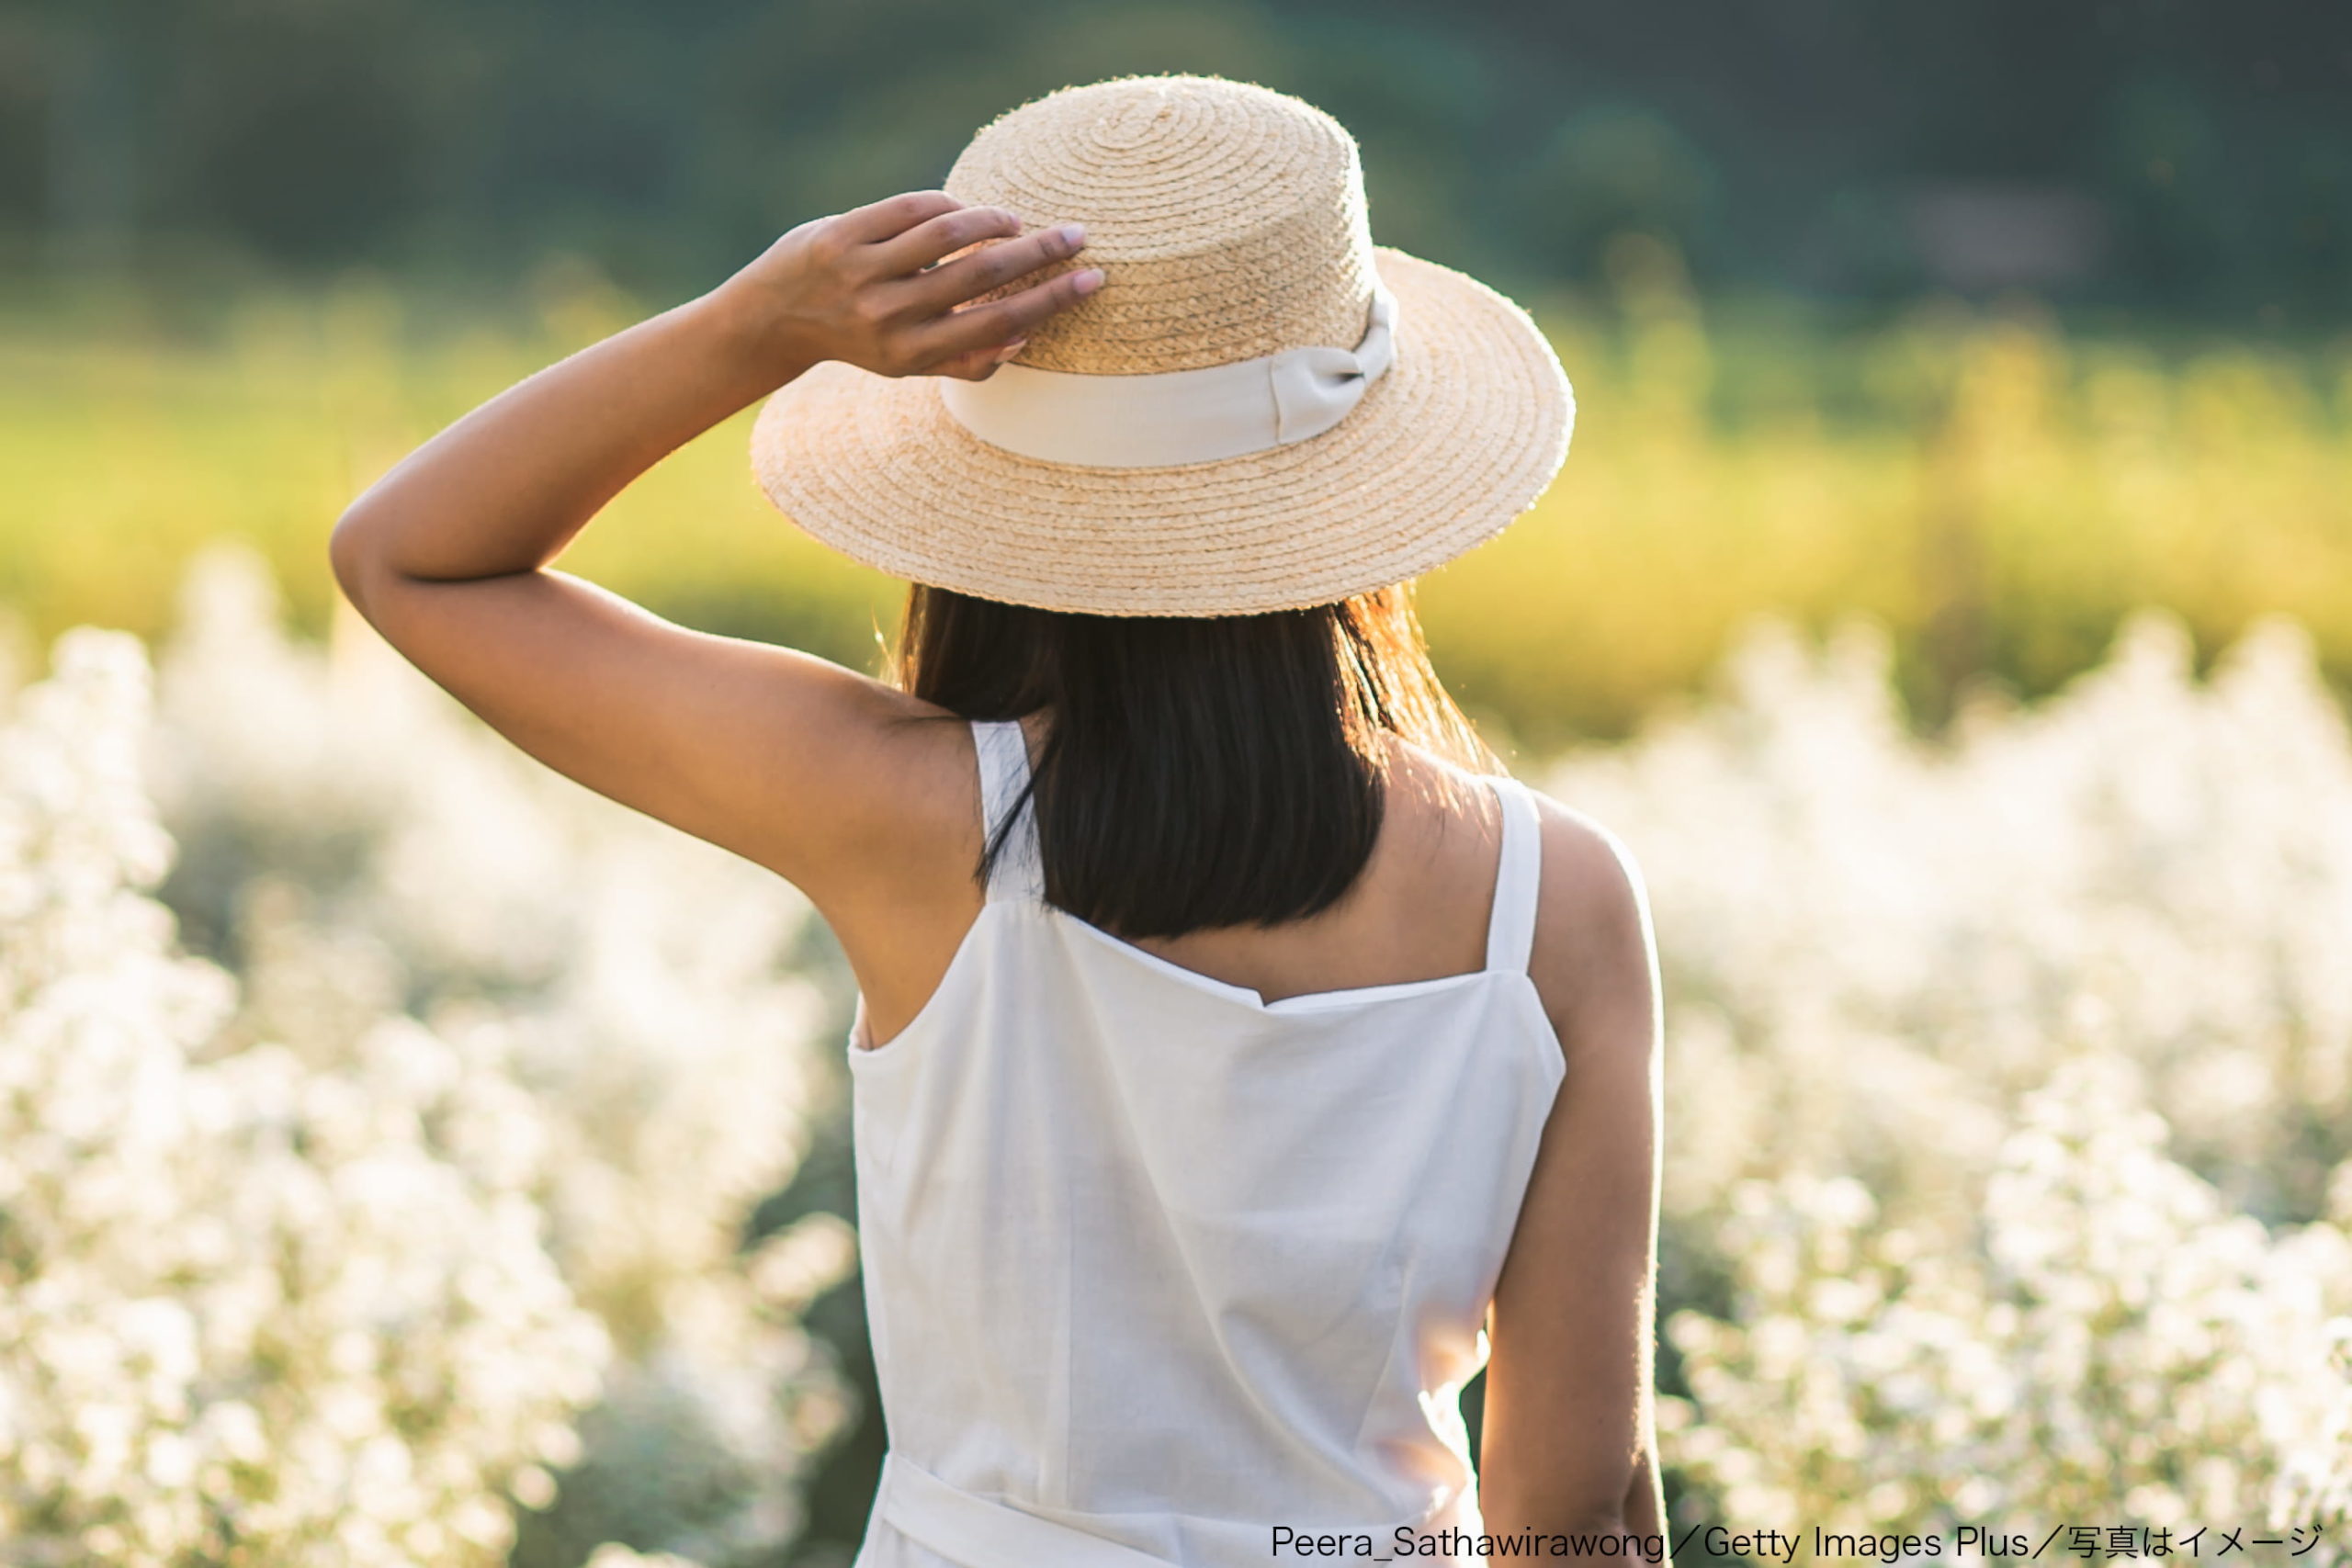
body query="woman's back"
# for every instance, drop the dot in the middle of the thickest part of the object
(1155, 1262)
(1177, 1242)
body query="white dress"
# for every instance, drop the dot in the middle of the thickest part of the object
(1154, 1268)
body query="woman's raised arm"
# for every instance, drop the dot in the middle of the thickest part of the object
(765, 750)
(1568, 1441)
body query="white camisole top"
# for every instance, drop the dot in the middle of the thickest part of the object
(1153, 1267)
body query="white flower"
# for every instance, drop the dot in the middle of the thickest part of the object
(2010, 1084)
(334, 1251)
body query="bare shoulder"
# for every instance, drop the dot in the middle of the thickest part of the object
(1595, 960)
(907, 807)
(1594, 963)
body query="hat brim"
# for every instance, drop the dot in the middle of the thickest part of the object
(1460, 437)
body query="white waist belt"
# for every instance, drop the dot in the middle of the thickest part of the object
(963, 1528)
(1175, 416)
(984, 1533)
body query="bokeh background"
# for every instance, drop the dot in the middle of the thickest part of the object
(404, 1155)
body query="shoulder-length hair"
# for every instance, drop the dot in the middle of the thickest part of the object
(1196, 770)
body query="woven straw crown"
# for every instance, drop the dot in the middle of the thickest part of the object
(1228, 221)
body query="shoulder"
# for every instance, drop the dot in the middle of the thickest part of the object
(1595, 960)
(883, 792)
(1594, 963)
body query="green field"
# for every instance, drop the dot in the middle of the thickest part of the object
(1997, 491)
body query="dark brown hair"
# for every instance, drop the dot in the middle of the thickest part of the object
(1197, 770)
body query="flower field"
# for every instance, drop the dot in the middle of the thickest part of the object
(2009, 1093)
(413, 1167)
(386, 1122)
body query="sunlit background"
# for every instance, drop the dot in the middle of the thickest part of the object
(406, 1156)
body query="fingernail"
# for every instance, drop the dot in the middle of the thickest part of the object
(1074, 235)
(1090, 280)
(1009, 350)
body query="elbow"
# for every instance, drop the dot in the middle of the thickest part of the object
(1604, 1536)
(351, 556)
(1581, 1495)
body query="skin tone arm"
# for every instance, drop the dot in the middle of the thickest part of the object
(1569, 1442)
(799, 764)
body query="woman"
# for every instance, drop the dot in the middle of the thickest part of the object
(1240, 1059)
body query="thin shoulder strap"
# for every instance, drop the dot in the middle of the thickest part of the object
(1004, 775)
(1510, 925)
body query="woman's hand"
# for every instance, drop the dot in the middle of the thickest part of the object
(874, 288)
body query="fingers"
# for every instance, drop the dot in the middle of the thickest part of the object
(1001, 320)
(907, 293)
(894, 215)
(941, 235)
(978, 272)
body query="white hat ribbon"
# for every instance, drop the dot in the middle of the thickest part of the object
(1175, 416)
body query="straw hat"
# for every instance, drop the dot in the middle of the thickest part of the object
(1259, 409)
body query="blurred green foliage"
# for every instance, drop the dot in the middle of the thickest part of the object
(2180, 155)
(251, 251)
